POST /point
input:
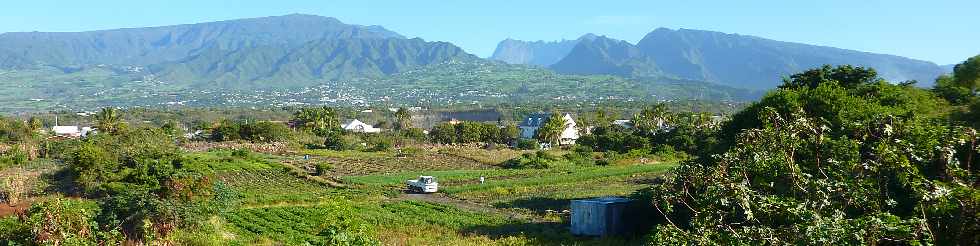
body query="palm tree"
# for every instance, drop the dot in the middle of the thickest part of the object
(654, 118)
(34, 124)
(317, 119)
(107, 120)
(404, 119)
(550, 131)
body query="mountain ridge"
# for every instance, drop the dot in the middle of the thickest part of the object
(732, 59)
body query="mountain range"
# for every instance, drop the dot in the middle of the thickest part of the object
(730, 59)
(43, 70)
(261, 52)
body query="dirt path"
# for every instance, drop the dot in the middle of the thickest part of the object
(465, 205)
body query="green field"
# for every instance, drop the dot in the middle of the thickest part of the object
(513, 206)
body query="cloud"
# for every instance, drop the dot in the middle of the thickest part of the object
(619, 20)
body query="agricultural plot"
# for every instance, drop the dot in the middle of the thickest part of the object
(274, 186)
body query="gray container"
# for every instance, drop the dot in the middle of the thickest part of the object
(601, 217)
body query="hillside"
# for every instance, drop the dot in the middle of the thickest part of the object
(306, 64)
(730, 59)
(144, 46)
(451, 82)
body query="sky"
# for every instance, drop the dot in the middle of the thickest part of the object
(943, 32)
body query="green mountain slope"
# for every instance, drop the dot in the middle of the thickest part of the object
(144, 46)
(306, 64)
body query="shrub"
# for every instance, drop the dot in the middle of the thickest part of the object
(413, 133)
(336, 140)
(265, 131)
(528, 144)
(536, 160)
(322, 168)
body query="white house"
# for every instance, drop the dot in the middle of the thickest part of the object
(67, 131)
(71, 131)
(529, 127)
(358, 126)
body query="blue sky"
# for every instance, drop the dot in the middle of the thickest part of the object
(940, 31)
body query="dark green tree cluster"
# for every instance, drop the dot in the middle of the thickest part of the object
(262, 131)
(836, 156)
(473, 132)
(317, 120)
(656, 130)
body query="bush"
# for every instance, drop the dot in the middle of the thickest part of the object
(381, 143)
(413, 133)
(528, 144)
(581, 155)
(536, 160)
(336, 140)
(265, 131)
(322, 168)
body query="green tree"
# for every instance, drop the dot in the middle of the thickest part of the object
(550, 132)
(444, 133)
(108, 120)
(652, 119)
(845, 75)
(317, 120)
(403, 118)
(967, 74)
(948, 88)
(35, 124)
(509, 134)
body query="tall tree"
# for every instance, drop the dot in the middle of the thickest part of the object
(967, 74)
(654, 118)
(35, 124)
(550, 131)
(108, 120)
(404, 119)
(318, 120)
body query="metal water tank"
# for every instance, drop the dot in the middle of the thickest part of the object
(605, 216)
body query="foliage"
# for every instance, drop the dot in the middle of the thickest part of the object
(403, 119)
(469, 132)
(265, 132)
(528, 144)
(614, 138)
(824, 161)
(63, 221)
(317, 120)
(967, 74)
(535, 160)
(142, 182)
(338, 140)
(550, 132)
(949, 89)
(108, 120)
(846, 75)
